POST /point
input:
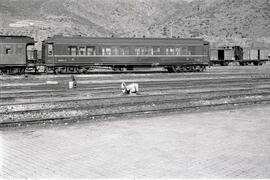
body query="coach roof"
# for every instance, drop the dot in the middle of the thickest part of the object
(117, 40)
(16, 39)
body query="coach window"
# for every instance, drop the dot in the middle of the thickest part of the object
(115, 51)
(72, 50)
(185, 51)
(50, 49)
(90, 50)
(124, 50)
(82, 51)
(148, 51)
(170, 51)
(106, 51)
(156, 50)
(178, 51)
(137, 51)
(143, 51)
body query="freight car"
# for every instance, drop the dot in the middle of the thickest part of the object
(16, 54)
(61, 54)
(244, 56)
(256, 56)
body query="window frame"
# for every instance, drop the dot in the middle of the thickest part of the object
(80, 50)
(50, 49)
(71, 49)
(124, 50)
(156, 52)
(93, 51)
(115, 51)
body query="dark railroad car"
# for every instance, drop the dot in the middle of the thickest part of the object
(16, 53)
(255, 55)
(80, 54)
(222, 55)
(244, 56)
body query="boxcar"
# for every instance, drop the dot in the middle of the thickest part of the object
(257, 56)
(15, 53)
(223, 55)
(244, 56)
(81, 54)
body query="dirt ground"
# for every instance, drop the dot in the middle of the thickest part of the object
(218, 144)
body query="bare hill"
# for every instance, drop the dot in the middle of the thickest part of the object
(211, 19)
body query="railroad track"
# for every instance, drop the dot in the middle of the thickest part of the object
(115, 88)
(130, 98)
(112, 83)
(45, 103)
(89, 117)
(214, 71)
(138, 101)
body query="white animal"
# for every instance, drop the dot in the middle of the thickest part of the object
(130, 88)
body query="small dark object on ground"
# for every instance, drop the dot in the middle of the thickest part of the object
(74, 81)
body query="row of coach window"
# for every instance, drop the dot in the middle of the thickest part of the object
(91, 50)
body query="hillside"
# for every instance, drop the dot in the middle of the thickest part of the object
(235, 20)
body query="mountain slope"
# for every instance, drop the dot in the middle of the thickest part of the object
(214, 20)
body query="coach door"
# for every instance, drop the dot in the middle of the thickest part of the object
(221, 54)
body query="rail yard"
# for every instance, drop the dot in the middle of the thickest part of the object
(120, 89)
(47, 99)
(211, 124)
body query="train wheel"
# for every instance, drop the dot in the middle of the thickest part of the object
(118, 69)
(171, 69)
(46, 69)
(255, 63)
(3, 71)
(71, 69)
(179, 69)
(82, 70)
(77, 70)
(188, 68)
(226, 63)
(22, 70)
(241, 63)
(16, 70)
(56, 70)
(203, 68)
(63, 70)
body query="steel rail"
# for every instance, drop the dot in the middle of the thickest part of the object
(130, 97)
(72, 119)
(143, 102)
